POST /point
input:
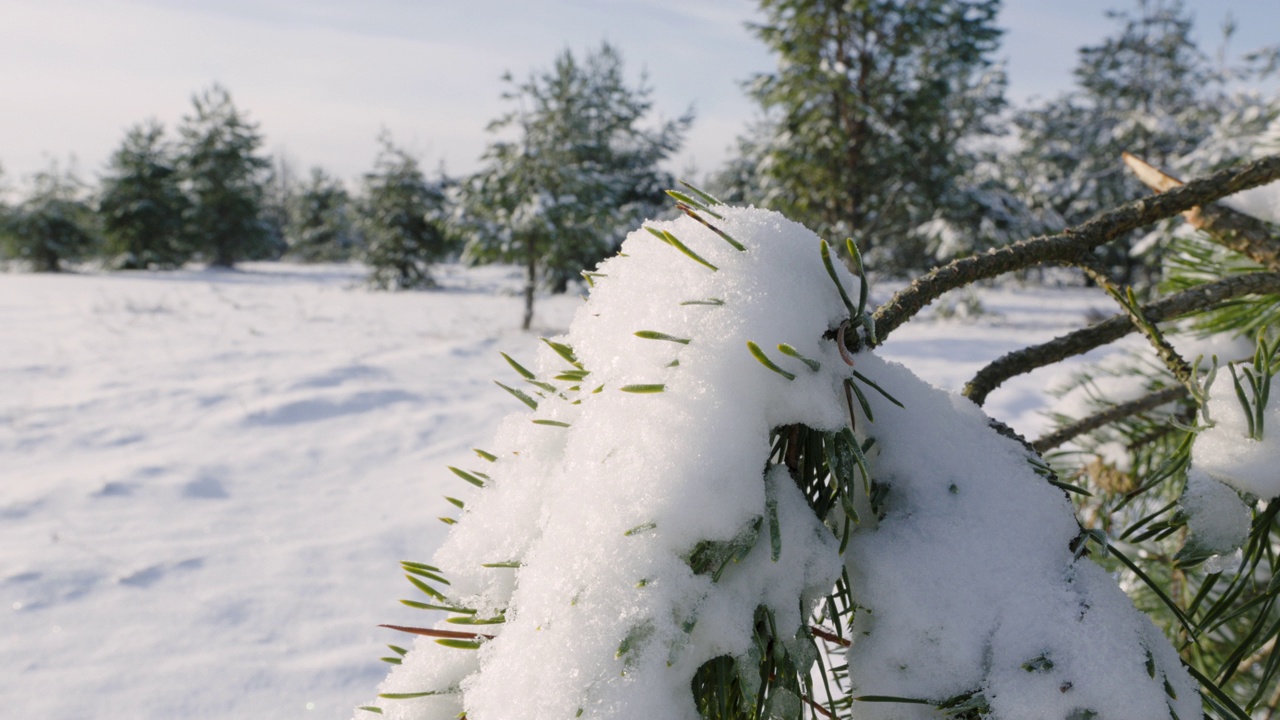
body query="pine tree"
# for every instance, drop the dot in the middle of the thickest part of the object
(320, 227)
(1147, 90)
(280, 189)
(224, 177)
(53, 224)
(401, 220)
(872, 108)
(580, 172)
(141, 204)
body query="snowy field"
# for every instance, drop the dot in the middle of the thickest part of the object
(207, 479)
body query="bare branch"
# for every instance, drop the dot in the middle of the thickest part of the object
(1115, 327)
(1119, 412)
(1236, 231)
(1070, 245)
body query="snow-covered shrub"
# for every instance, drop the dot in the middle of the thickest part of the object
(707, 495)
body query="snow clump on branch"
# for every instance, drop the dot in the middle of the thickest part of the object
(648, 439)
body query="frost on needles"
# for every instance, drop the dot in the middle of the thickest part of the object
(643, 523)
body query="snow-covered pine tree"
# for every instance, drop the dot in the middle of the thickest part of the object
(223, 176)
(574, 170)
(321, 227)
(401, 219)
(871, 116)
(141, 204)
(52, 224)
(720, 503)
(1147, 90)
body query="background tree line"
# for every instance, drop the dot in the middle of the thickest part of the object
(886, 122)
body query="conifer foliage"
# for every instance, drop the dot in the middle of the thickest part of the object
(402, 221)
(575, 171)
(141, 203)
(224, 176)
(53, 224)
(320, 223)
(870, 113)
(1147, 89)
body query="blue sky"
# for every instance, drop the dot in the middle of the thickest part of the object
(322, 77)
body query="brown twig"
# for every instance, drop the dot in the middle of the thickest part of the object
(1236, 231)
(1072, 244)
(828, 636)
(1151, 401)
(1115, 327)
(450, 634)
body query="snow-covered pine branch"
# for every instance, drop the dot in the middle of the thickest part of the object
(652, 540)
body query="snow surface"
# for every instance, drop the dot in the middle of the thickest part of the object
(1216, 516)
(207, 479)
(1227, 453)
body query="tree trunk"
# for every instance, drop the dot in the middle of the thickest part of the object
(531, 264)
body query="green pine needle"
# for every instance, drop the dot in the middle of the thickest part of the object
(487, 456)
(693, 203)
(640, 528)
(519, 395)
(644, 389)
(723, 235)
(775, 532)
(436, 576)
(469, 477)
(410, 696)
(706, 197)
(654, 335)
(870, 383)
(427, 589)
(458, 645)
(476, 621)
(831, 271)
(524, 372)
(674, 242)
(564, 351)
(709, 301)
(444, 608)
(758, 354)
(790, 351)
(864, 288)
(551, 423)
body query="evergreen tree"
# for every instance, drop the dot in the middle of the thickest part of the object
(224, 178)
(1147, 90)
(872, 109)
(53, 224)
(320, 226)
(141, 205)
(402, 221)
(580, 172)
(280, 190)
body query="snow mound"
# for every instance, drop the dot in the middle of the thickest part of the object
(1226, 452)
(649, 437)
(1219, 521)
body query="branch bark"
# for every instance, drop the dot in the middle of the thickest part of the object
(1115, 327)
(1236, 231)
(1045, 443)
(1072, 244)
